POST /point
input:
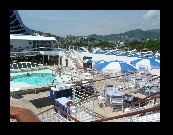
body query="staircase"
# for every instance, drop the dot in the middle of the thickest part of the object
(75, 59)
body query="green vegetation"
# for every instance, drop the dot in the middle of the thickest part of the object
(133, 39)
(150, 45)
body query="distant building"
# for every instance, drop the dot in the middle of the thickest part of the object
(121, 44)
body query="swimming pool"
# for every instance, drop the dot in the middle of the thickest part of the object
(21, 80)
(34, 78)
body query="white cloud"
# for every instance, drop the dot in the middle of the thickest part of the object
(152, 14)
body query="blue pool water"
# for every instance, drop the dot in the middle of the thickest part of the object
(34, 78)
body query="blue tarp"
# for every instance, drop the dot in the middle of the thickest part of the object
(51, 94)
(89, 61)
(62, 107)
(56, 94)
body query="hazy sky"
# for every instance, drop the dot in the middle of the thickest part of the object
(87, 22)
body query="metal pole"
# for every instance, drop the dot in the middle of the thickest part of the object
(93, 110)
(52, 115)
(58, 116)
(78, 114)
(73, 95)
(123, 106)
(43, 58)
(67, 112)
(57, 59)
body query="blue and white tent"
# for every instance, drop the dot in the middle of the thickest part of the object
(99, 65)
(142, 69)
(135, 61)
(127, 67)
(154, 64)
(116, 66)
(146, 63)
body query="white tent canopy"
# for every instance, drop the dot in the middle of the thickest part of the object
(155, 72)
(143, 63)
(112, 67)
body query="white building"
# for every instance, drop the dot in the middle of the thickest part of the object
(29, 41)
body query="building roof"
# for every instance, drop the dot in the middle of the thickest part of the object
(30, 37)
(17, 26)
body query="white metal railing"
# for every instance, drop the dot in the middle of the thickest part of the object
(53, 116)
(83, 111)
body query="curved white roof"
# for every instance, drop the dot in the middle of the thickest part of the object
(30, 37)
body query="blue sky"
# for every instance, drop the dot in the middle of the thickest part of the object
(87, 22)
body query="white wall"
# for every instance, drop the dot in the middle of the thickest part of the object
(70, 64)
(63, 60)
(20, 43)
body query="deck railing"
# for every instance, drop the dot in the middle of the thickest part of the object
(50, 115)
(23, 115)
(129, 114)
(148, 98)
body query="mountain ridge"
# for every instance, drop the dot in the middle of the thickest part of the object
(136, 34)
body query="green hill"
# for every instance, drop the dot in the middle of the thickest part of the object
(137, 34)
(132, 34)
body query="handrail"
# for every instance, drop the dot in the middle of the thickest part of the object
(66, 114)
(83, 100)
(152, 95)
(23, 115)
(144, 99)
(45, 110)
(91, 81)
(102, 79)
(86, 91)
(129, 114)
(93, 95)
(141, 101)
(57, 108)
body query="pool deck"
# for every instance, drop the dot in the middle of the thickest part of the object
(104, 111)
